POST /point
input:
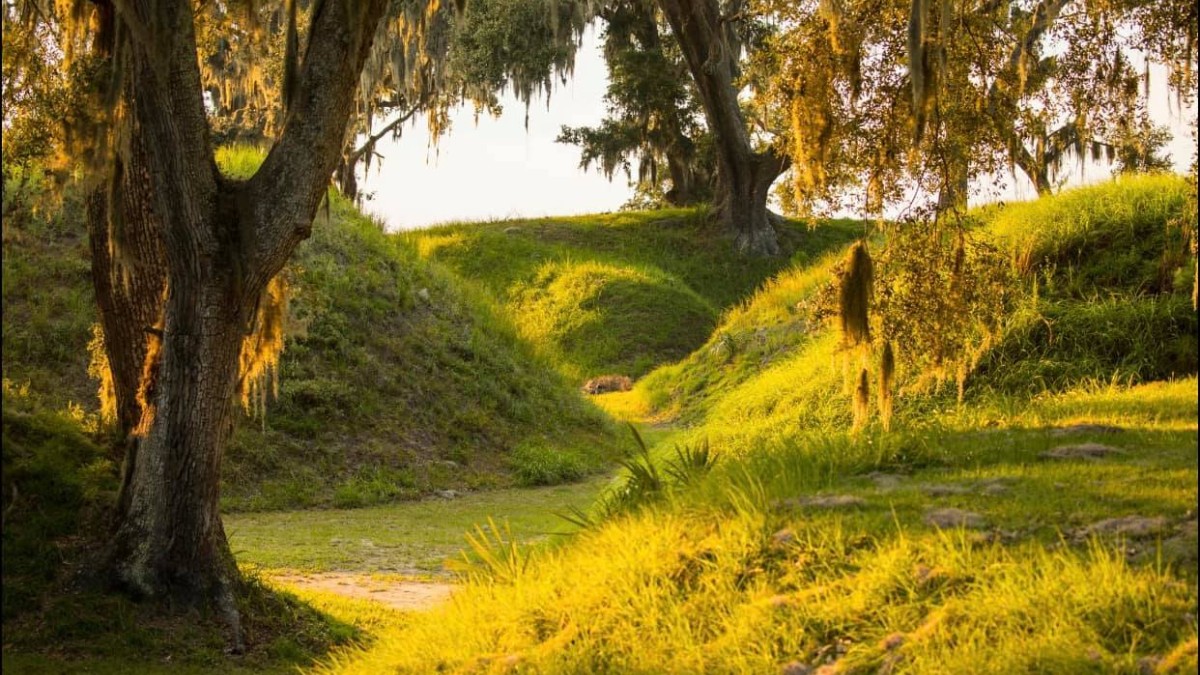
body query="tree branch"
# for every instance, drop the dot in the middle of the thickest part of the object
(284, 194)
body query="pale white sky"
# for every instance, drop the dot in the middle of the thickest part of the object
(499, 169)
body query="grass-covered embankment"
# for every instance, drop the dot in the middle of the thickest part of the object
(617, 293)
(396, 378)
(851, 552)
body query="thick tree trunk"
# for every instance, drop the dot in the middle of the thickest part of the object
(170, 541)
(128, 275)
(744, 177)
(222, 242)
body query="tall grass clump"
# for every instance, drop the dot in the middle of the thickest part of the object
(1121, 234)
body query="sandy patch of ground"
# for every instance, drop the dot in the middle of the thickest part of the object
(394, 592)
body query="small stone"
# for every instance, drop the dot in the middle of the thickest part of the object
(885, 481)
(783, 537)
(795, 668)
(833, 501)
(1081, 451)
(778, 601)
(951, 518)
(944, 489)
(447, 494)
(1085, 429)
(423, 295)
(1128, 526)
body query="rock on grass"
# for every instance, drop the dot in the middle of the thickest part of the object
(1081, 451)
(952, 518)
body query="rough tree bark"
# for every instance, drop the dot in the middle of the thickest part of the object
(129, 291)
(223, 241)
(744, 177)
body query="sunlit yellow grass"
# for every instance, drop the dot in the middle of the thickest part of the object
(722, 579)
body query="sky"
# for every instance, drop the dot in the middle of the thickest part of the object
(499, 169)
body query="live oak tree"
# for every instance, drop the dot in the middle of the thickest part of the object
(186, 261)
(654, 117)
(221, 241)
(711, 35)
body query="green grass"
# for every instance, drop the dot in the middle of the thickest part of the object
(398, 381)
(1094, 315)
(407, 537)
(617, 293)
(1122, 234)
(738, 575)
(48, 304)
(734, 567)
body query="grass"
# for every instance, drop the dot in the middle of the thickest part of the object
(399, 382)
(1122, 233)
(1087, 313)
(803, 544)
(617, 293)
(739, 575)
(406, 537)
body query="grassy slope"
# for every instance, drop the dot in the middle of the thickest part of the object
(738, 574)
(1104, 309)
(403, 381)
(396, 379)
(619, 293)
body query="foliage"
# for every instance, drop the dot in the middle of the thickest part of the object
(944, 297)
(654, 117)
(884, 101)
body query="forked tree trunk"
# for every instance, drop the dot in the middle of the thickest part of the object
(222, 243)
(744, 177)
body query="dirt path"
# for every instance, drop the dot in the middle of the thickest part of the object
(398, 594)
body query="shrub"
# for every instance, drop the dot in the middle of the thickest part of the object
(537, 464)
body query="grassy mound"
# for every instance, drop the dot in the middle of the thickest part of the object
(1100, 308)
(1122, 234)
(593, 313)
(396, 379)
(664, 274)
